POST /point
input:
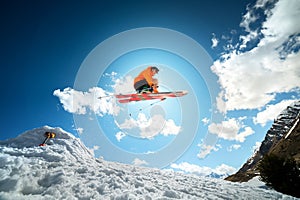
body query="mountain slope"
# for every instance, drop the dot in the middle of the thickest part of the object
(65, 169)
(282, 139)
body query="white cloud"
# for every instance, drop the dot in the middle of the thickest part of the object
(120, 135)
(124, 85)
(203, 171)
(271, 111)
(214, 41)
(112, 75)
(191, 168)
(151, 127)
(247, 38)
(251, 79)
(249, 17)
(78, 102)
(205, 121)
(205, 150)
(283, 20)
(242, 136)
(224, 169)
(158, 125)
(230, 130)
(170, 128)
(221, 102)
(131, 123)
(79, 130)
(139, 162)
(149, 152)
(92, 150)
(261, 3)
(234, 147)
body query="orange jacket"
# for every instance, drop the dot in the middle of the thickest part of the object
(147, 75)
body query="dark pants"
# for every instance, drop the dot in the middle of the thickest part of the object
(142, 85)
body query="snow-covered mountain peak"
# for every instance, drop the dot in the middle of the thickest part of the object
(64, 145)
(34, 137)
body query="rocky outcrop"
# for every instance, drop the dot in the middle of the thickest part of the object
(282, 139)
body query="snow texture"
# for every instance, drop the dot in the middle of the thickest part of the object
(66, 169)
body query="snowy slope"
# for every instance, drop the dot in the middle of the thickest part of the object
(65, 169)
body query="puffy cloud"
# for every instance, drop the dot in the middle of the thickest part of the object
(191, 168)
(248, 18)
(203, 171)
(120, 135)
(251, 79)
(205, 121)
(234, 147)
(79, 130)
(151, 127)
(229, 130)
(205, 150)
(242, 136)
(282, 20)
(124, 85)
(93, 149)
(131, 123)
(139, 162)
(271, 111)
(224, 169)
(170, 128)
(78, 102)
(214, 41)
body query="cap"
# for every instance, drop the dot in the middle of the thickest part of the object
(156, 69)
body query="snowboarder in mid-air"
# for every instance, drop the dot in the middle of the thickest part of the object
(145, 83)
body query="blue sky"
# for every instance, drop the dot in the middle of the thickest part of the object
(239, 62)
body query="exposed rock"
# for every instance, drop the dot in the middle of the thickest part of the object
(282, 139)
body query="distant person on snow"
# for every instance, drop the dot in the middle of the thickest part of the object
(145, 83)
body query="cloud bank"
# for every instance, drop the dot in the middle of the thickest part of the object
(271, 111)
(266, 60)
(258, 70)
(230, 130)
(79, 102)
(203, 171)
(152, 126)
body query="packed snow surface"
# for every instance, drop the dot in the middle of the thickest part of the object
(65, 169)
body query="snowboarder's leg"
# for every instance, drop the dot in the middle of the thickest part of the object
(142, 87)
